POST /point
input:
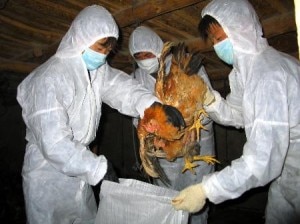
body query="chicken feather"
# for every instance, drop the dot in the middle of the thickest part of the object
(183, 89)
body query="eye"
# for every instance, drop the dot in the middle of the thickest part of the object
(102, 49)
(99, 48)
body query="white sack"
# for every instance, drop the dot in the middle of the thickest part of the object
(133, 202)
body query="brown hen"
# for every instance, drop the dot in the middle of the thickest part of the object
(183, 89)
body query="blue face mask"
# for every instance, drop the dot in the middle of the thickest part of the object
(93, 59)
(224, 51)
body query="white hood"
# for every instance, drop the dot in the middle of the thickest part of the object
(91, 24)
(146, 40)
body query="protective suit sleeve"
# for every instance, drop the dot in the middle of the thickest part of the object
(125, 94)
(203, 74)
(147, 81)
(223, 112)
(266, 147)
(144, 78)
(46, 117)
(228, 112)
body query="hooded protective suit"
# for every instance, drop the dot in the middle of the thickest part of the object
(62, 108)
(143, 39)
(265, 100)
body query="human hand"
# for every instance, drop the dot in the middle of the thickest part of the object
(191, 199)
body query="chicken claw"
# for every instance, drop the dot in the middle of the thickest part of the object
(188, 165)
(208, 159)
(197, 122)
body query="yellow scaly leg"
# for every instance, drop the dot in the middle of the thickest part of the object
(208, 159)
(189, 166)
(197, 122)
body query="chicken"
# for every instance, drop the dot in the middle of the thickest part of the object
(183, 89)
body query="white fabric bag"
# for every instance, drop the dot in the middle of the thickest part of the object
(136, 202)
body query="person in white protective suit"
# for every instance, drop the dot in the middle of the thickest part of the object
(265, 101)
(145, 47)
(61, 106)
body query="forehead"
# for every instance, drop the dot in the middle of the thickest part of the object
(101, 41)
(215, 30)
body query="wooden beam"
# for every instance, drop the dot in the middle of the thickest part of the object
(51, 36)
(149, 10)
(17, 66)
(278, 5)
(54, 9)
(277, 25)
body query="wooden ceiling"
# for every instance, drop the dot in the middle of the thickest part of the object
(32, 29)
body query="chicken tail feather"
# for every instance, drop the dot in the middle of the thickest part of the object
(159, 170)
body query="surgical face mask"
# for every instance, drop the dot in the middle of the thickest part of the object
(93, 59)
(150, 65)
(224, 51)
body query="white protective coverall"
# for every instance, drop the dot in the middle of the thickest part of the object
(143, 39)
(62, 108)
(265, 101)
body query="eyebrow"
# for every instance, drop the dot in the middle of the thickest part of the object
(139, 54)
(101, 44)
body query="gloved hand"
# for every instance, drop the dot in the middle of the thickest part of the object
(191, 199)
(209, 97)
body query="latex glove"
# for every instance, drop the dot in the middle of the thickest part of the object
(209, 97)
(191, 199)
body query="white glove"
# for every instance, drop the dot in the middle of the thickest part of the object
(191, 199)
(209, 97)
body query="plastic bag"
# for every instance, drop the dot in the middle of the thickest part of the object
(135, 202)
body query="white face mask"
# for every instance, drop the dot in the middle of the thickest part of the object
(150, 65)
